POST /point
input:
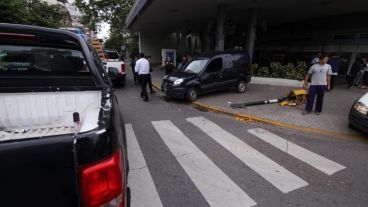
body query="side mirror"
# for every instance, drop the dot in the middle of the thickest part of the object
(112, 72)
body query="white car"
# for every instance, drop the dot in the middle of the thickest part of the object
(358, 116)
(115, 66)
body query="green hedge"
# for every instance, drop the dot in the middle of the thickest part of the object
(276, 70)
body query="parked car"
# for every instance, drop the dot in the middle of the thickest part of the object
(115, 66)
(62, 138)
(207, 73)
(358, 116)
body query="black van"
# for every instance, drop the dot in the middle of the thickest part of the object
(207, 73)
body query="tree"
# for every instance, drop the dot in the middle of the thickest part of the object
(113, 12)
(32, 12)
(42, 14)
(114, 42)
(13, 11)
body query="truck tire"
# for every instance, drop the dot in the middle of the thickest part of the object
(191, 94)
(240, 86)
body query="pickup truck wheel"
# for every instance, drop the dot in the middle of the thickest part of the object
(241, 86)
(192, 94)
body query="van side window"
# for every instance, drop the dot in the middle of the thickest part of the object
(240, 61)
(228, 61)
(214, 66)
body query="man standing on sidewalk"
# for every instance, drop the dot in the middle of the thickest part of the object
(335, 64)
(320, 82)
(142, 67)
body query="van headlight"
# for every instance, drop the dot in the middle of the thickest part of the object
(177, 82)
(361, 108)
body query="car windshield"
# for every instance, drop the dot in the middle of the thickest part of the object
(22, 59)
(111, 55)
(196, 66)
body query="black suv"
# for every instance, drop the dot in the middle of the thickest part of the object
(207, 73)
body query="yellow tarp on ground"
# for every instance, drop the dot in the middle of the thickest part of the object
(296, 97)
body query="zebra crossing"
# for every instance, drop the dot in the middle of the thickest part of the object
(216, 187)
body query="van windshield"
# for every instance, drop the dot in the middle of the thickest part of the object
(196, 66)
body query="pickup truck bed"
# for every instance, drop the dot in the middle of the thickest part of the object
(47, 113)
(62, 138)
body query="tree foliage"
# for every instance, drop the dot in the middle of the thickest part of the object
(114, 42)
(113, 12)
(32, 12)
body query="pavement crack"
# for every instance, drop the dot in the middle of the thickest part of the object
(139, 168)
(186, 154)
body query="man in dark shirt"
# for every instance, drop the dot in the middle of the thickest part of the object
(355, 69)
(335, 67)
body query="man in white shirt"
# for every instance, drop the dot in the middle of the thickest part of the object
(320, 82)
(142, 67)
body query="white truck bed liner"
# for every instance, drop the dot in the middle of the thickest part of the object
(26, 115)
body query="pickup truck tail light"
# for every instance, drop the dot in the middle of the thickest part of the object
(102, 183)
(122, 68)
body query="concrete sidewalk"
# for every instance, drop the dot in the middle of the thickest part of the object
(334, 117)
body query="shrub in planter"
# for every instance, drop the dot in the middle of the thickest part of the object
(262, 72)
(290, 71)
(277, 70)
(301, 68)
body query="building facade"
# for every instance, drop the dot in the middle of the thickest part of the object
(262, 27)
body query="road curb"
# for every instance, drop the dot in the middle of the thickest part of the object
(255, 119)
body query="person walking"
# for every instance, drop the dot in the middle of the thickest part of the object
(150, 76)
(335, 64)
(142, 67)
(320, 82)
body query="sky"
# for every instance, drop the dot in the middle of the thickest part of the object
(104, 32)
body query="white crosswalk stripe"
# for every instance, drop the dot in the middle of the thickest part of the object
(274, 173)
(143, 189)
(321, 163)
(216, 187)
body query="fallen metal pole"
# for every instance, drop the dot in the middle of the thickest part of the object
(244, 105)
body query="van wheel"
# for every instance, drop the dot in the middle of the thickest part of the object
(191, 95)
(241, 86)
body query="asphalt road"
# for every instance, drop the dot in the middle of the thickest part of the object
(180, 156)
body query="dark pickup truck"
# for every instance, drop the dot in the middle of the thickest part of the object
(62, 137)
